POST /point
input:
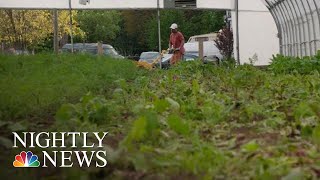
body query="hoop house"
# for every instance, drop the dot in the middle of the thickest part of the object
(298, 24)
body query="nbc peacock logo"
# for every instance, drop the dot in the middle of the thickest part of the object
(26, 160)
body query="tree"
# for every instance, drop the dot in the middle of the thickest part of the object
(99, 25)
(132, 38)
(190, 23)
(64, 24)
(25, 28)
(28, 28)
(224, 42)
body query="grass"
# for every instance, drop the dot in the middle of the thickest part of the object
(44, 82)
(192, 121)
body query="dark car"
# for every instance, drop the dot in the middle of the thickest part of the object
(208, 59)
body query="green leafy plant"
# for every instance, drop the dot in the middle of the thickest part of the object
(305, 65)
(190, 121)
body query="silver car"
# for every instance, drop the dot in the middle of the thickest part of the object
(92, 48)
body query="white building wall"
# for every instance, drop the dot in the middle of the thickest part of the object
(217, 4)
(257, 32)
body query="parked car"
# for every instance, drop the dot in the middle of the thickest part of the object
(13, 51)
(149, 57)
(92, 48)
(210, 50)
(165, 63)
(206, 37)
(135, 57)
(22, 52)
(208, 59)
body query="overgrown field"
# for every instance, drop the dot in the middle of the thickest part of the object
(192, 121)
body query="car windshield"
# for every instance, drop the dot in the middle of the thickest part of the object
(111, 51)
(149, 57)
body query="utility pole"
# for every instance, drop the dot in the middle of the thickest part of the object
(71, 29)
(237, 31)
(159, 32)
(55, 31)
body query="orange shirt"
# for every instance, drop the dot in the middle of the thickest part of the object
(177, 41)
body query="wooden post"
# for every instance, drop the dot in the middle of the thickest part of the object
(55, 31)
(2, 47)
(201, 53)
(100, 49)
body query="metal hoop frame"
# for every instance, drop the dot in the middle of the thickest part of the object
(298, 24)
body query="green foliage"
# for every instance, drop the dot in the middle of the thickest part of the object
(132, 38)
(41, 83)
(90, 110)
(190, 23)
(99, 25)
(180, 127)
(224, 42)
(144, 128)
(130, 31)
(139, 130)
(305, 65)
(250, 147)
(29, 29)
(318, 54)
(191, 121)
(8, 127)
(173, 104)
(316, 135)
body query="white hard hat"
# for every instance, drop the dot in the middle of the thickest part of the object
(174, 26)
